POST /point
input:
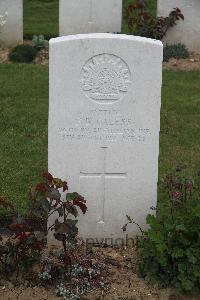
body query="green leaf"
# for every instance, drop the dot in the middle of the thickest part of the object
(54, 194)
(180, 227)
(188, 284)
(58, 237)
(177, 253)
(58, 182)
(151, 220)
(71, 209)
(46, 205)
(61, 228)
(67, 227)
(60, 211)
(196, 211)
(155, 236)
(72, 222)
(161, 247)
(80, 204)
(41, 207)
(74, 196)
(191, 257)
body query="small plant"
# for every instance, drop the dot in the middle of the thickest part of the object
(175, 51)
(141, 22)
(23, 54)
(39, 42)
(46, 200)
(23, 246)
(85, 276)
(72, 273)
(61, 291)
(28, 233)
(170, 249)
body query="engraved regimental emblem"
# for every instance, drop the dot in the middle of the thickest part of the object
(105, 78)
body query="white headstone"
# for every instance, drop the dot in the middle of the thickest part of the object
(104, 120)
(11, 22)
(188, 31)
(86, 16)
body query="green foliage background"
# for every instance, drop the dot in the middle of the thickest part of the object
(41, 16)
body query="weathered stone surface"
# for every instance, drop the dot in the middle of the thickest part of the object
(188, 31)
(89, 16)
(11, 22)
(104, 121)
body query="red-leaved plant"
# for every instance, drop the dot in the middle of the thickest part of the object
(28, 233)
(141, 22)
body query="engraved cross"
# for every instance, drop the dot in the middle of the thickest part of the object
(103, 176)
(91, 15)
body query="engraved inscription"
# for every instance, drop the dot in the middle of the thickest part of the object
(105, 78)
(105, 125)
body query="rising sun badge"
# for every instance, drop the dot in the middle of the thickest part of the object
(105, 78)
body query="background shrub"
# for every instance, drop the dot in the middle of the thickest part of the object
(23, 54)
(170, 249)
(140, 22)
(39, 42)
(175, 51)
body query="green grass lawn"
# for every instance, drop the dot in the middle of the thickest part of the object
(24, 118)
(41, 16)
(23, 128)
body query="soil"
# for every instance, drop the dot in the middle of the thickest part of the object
(120, 275)
(42, 57)
(4, 55)
(191, 63)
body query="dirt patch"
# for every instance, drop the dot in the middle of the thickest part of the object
(4, 55)
(191, 63)
(120, 275)
(42, 57)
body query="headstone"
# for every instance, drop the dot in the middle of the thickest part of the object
(104, 120)
(86, 16)
(11, 22)
(188, 31)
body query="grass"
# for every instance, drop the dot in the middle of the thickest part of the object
(23, 125)
(180, 120)
(41, 16)
(23, 128)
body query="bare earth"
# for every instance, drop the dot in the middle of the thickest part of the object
(121, 277)
(191, 63)
(41, 59)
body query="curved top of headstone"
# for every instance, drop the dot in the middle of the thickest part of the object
(102, 62)
(105, 36)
